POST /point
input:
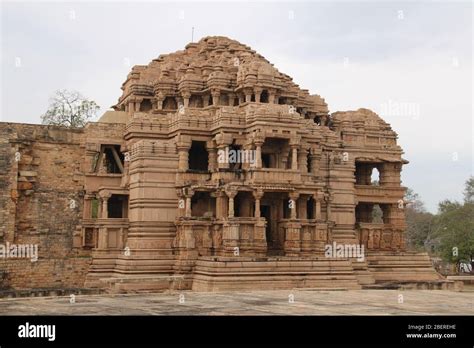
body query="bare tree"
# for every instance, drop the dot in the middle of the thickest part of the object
(70, 109)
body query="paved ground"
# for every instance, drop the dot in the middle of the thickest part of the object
(305, 302)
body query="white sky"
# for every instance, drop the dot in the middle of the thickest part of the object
(354, 54)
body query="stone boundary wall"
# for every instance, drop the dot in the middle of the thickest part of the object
(41, 189)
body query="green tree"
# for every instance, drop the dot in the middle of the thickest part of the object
(469, 190)
(455, 229)
(70, 109)
(419, 222)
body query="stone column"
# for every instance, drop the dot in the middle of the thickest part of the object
(137, 105)
(183, 144)
(271, 96)
(314, 158)
(188, 209)
(105, 195)
(131, 107)
(258, 93)
(212, 151)
(248, 95)
(294, 197)
(216, 94)
(258, 154)
(303, 160)
(294, 157)
(317, 205)
(181, 202)
(186, 95)
(258, 194)
(222, 141)
(231, 193)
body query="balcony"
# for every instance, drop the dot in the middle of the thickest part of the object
(273, 176)
(376, 236)
(105, 234)
(379, 194)
(189, 176)
(95, 180)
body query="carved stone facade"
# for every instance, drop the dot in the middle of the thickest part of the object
(162, 209)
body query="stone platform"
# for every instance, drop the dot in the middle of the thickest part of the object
(269, 302)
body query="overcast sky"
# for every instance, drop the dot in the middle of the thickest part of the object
(409, 61)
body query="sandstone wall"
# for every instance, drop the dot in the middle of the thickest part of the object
(41, 189)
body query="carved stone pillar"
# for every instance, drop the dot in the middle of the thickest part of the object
(271, 96)
(294, 157)
(303, 160)
(212, 151)
(231, 193)
(131, 107)
(104, 196)
(258, 194)
(317, 206)
(183, 144)
(294, 197)
(258, 154)
(137, 104)
(248, 95)
(186, 95)
(181, 202)
(216, 94)
(188, 210)
(258, 93)
(222, 141)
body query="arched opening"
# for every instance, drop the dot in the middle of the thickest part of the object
(264, 96)
(252, 98)
(198, 157)
(145, 105)
(170, 104)
(375, 177)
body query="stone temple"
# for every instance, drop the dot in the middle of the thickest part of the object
(214, 171)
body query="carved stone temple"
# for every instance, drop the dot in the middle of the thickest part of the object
(143, 200)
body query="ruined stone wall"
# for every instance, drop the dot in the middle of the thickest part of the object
(41, 192)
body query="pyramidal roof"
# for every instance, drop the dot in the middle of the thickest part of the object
(215, 63)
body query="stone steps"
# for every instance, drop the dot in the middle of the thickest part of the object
(401, 267)
(226, 274)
